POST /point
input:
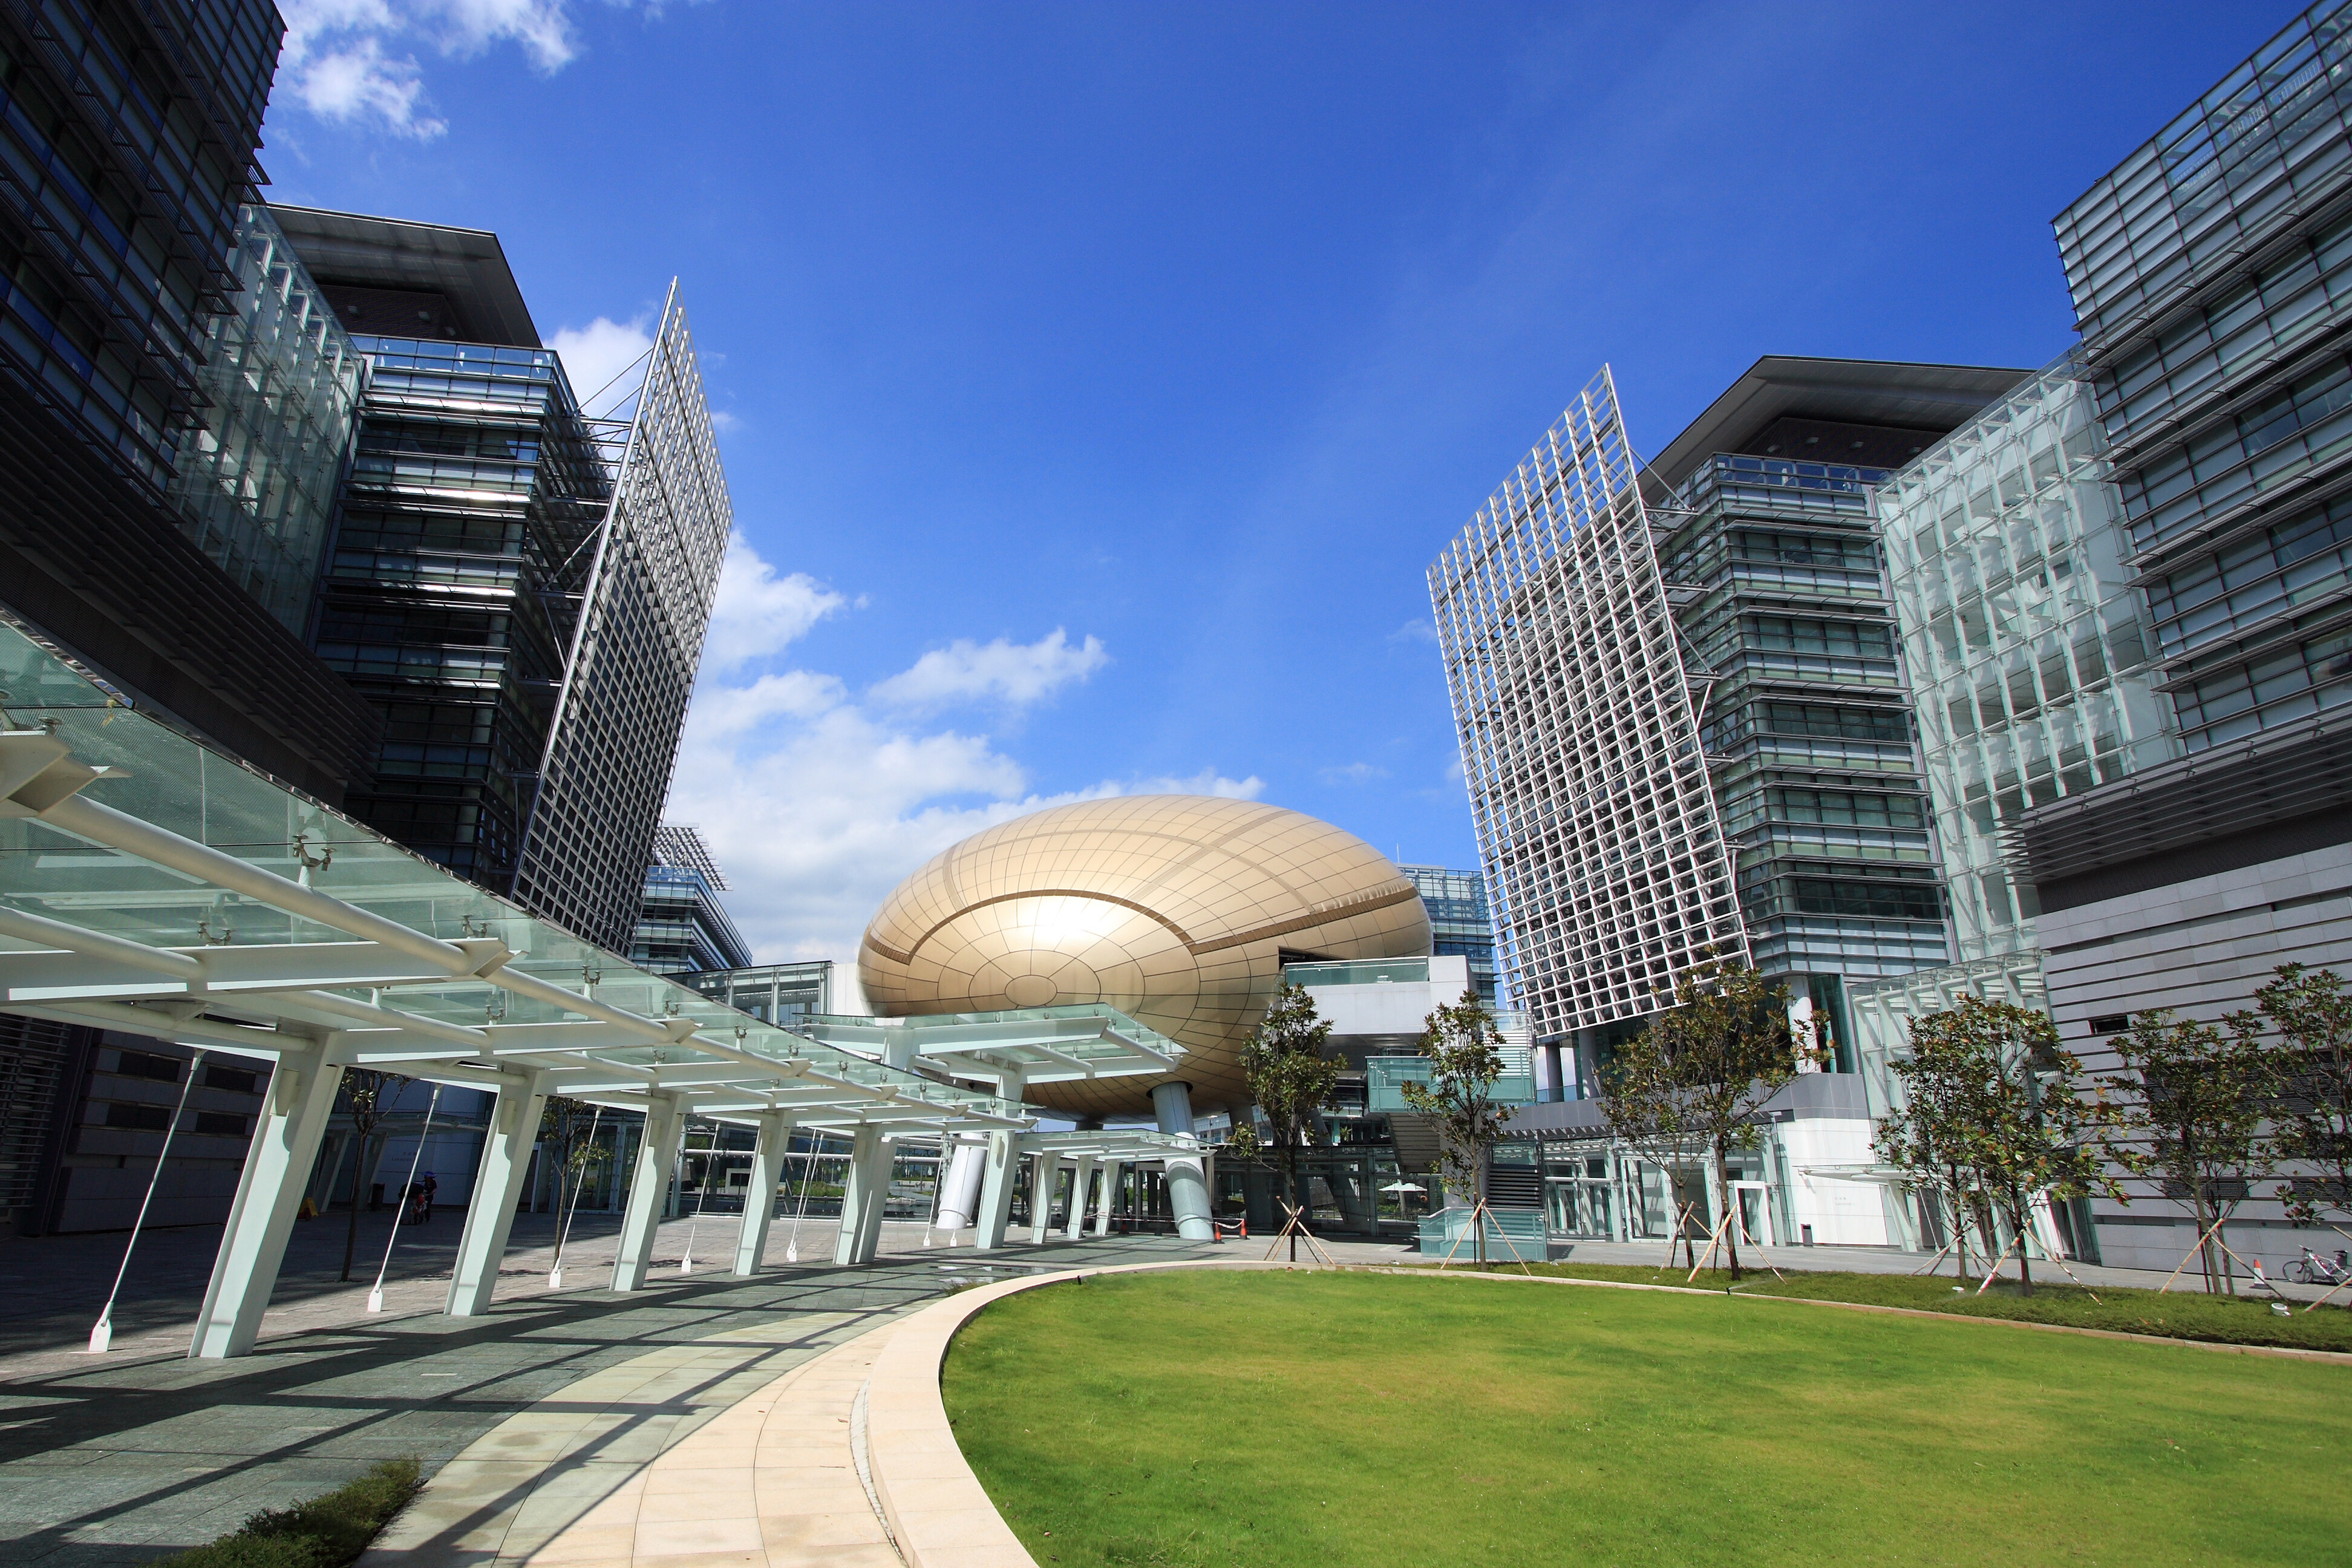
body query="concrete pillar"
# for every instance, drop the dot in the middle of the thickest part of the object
(760, 1195)
(1188, 1181)
(862, 1197)
(1082, 1172)
(995, 1193)
(277, 1171)
(498, 1186)
(1044, 1169)
(649, 1188)
(959, 1183)
(1109, 1196)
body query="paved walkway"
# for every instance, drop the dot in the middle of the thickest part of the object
(114, 1461)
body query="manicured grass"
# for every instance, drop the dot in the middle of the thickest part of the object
(1199, 1417)
(2178, 1314)
(327, 1531)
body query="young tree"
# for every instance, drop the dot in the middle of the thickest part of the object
(2194, 1104)
(1925, 1140)
(1642, 1109)
(1290, 1077)
(567, 1127)
(1464, 1050)
(1996, 1104)
(1723, 1049)
(367, 1095)
(2313, 1117)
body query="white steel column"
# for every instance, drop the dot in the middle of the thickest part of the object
(1043, 1169)
(959, 1189)
(649, 1188)
(1111, 1174)
(277, 1170)
(498, 1187)
(760, 1196)
(862, 1197)
(1188, 1182)
(1082, 1171)
(995, 1193)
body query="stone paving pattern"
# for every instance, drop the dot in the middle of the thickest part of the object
(115, 1461)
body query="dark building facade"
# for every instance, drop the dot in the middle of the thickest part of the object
(1772, 564)
(139, 539)
(682, 928)
(520, 590)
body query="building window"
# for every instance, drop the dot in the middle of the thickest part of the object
(234, 1080)
(138, 1118)
(222, 1123)
(147, 1063)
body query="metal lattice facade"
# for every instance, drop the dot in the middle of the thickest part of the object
(633, 658)
(1603, 854)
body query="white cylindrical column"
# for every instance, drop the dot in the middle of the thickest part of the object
(1001, 1165)
(1109, 1196)
(862, 1196)
(1043, 1169)
(277, 1170)
(760, 1194)
(505, 1166)
(1082, 1171)
(1188, 1182)
(959, 1183)
(649, 1189)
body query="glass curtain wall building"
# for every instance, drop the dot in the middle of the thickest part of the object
(2026, 641)
(519, 590)
(682, 927)
(1460, 923)
(171, 405)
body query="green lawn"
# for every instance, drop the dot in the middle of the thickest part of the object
(1349, 1420)
(2181, 1314)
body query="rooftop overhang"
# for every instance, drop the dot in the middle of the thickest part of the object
(1031, 1045)
(1927, 397)
(467, 267)
(1126, 1144)
(150, 886)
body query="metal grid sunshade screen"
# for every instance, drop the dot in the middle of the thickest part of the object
(639, 642)
(1603, 853)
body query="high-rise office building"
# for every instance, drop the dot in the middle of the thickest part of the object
(682, 928)
(1460, 923)
(1681, 709)
(520, 590)
(172, 403)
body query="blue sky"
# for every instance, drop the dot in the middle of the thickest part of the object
(1097, 381)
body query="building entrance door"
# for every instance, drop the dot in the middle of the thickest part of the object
(1754, 1200)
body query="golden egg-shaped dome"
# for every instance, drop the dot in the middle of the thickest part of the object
(1177, 910)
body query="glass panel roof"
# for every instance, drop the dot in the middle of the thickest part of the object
(176, 784)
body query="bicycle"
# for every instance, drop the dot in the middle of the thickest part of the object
(2312, 1269)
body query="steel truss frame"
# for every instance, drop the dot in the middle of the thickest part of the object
(1577, 713)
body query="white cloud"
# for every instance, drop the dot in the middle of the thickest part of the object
(817, 804)
(350, 61)
(1354, 772)
(757, 613)
(600, 360)
(1006, 671)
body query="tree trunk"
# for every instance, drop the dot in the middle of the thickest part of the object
(352, 1230)
(1960, 1228)
(1730, 1210)
(2204, 1239)
(2021, 1209)
(1290, 1194)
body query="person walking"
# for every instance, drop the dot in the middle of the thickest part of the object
(428, 1186)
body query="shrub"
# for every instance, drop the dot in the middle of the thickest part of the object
(326, 1532)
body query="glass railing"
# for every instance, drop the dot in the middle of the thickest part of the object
(1359, 972)
(1385, 1078)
